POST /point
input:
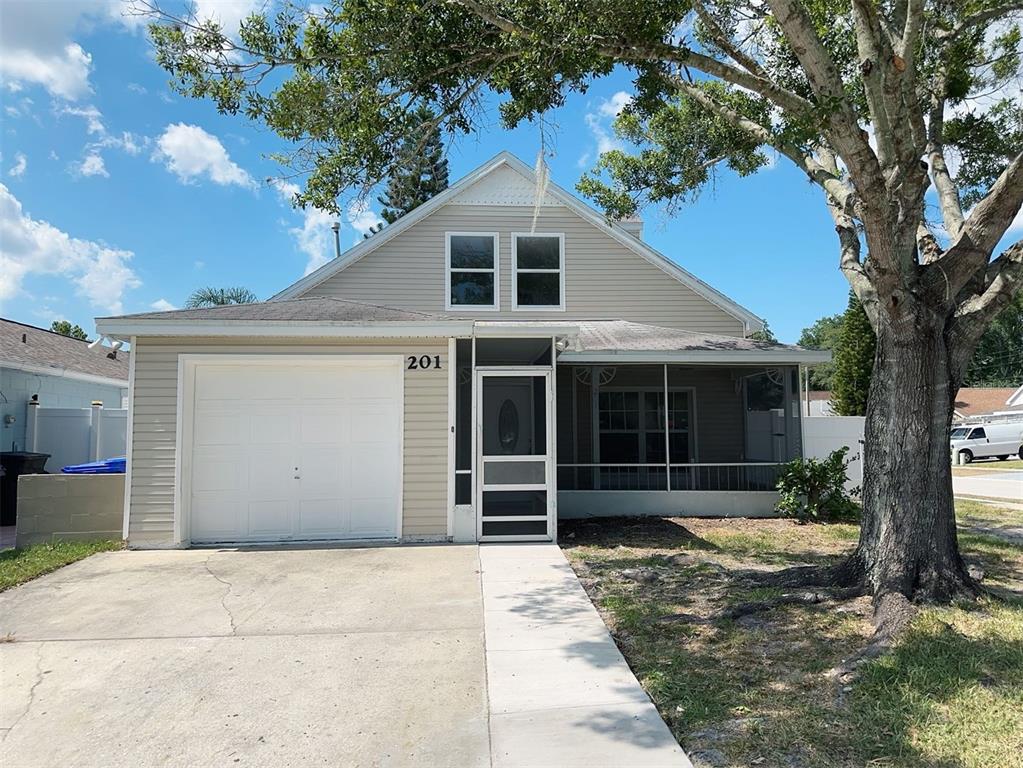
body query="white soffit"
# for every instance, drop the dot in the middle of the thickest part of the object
(502, 186)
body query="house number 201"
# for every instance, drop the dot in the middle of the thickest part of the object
(423, 361)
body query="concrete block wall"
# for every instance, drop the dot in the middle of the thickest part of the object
(69, 508)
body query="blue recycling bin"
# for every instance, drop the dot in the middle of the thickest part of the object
(105, 467)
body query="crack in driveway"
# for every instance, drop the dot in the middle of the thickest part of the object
(31, 693)
(223, 598)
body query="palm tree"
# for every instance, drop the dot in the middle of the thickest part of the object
(218, 297)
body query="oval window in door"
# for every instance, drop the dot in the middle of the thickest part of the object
(508, 426)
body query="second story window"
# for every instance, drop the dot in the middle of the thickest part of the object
(538, 271)
(472, 270)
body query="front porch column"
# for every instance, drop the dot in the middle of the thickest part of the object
(667, 435)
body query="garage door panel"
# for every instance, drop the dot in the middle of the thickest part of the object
(215, 516)
(269, 518)
(217, 428)
(324, 424)
(253, 425)
(215, 473)
(373, 517)
(321, 517)
(373, 419)
(272, 426)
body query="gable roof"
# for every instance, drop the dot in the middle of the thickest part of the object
(974, 401)
(309, 308)
(505, 159)
(27, 348)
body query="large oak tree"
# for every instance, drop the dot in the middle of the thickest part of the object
(870, 100)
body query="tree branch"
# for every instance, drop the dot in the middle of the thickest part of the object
(724, 42)
(978, 18)
(981, 232)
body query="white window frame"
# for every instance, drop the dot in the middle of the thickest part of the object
(560, 272)
(496, 271)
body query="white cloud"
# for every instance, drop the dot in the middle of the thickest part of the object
(37, 40)
(189, 152)
(136, 88)
(162, 305)
(228, 13)
(362, 218)
(33, 247)
(92, 165)
(19, 167)
(599, 123)
(92, 116)
(314, 238)
(605, 141)
(613, 107)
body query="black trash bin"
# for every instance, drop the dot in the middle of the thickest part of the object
(15, 464)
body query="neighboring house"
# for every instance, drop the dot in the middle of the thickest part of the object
(982, 401)
(60, 372)
(818, 403)
(471, 372)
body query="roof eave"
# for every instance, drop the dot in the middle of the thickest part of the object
(708, 356)
(125, 328)
(66, 373)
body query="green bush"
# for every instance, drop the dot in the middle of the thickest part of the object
(814, 489)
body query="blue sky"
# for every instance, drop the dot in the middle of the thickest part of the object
(119, 196)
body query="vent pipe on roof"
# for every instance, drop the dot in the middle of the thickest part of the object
(336, 228)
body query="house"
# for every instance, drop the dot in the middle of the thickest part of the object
(57, 371)
(982, 401)
(483, 365)
(817, 402)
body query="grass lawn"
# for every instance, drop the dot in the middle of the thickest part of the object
(755, 691)
(20, 565)
(992, 464)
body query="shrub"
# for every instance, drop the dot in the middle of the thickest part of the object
(814, 489)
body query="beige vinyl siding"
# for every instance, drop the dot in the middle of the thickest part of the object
(154, 423)
(604, 280)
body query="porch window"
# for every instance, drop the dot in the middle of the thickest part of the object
(632, 426)
(538, 267)
(472, 270)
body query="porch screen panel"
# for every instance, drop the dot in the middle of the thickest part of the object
(463, 421)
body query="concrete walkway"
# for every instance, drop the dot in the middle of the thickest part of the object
(1007, 484)
(560, 692)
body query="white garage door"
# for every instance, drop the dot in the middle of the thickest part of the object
(293, 451)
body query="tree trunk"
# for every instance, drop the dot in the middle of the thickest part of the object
(908, 541)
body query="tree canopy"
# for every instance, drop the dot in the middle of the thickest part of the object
(823, 334)
(421, 173)
(853, 362)
(217, 297)
(65, 328)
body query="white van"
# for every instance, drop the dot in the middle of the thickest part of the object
(987, 439)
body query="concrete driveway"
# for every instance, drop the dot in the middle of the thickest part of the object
(340, 657)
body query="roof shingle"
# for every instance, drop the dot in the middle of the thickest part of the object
(22, 344)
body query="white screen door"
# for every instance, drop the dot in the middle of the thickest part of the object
(514, 494)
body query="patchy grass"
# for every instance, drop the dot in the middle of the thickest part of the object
(756, 691)
(20, 565)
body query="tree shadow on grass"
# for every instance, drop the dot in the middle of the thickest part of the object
(629, 531)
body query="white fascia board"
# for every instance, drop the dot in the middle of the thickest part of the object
(738, 357)
(512, 329)
(64, 373)
(292, 328)
(1016, 398)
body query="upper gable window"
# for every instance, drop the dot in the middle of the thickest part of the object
(538, 271)
(472, 270)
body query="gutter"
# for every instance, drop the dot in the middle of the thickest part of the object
(744, 356)
(67, 373)
(124, 328)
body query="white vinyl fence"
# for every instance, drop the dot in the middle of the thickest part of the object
(76, 435)
(824, 434)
